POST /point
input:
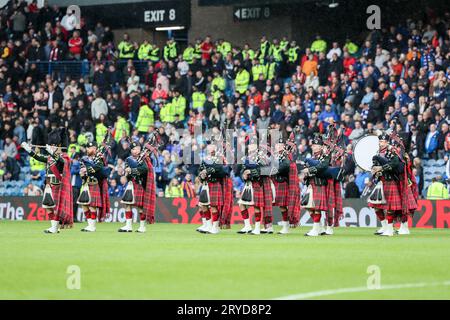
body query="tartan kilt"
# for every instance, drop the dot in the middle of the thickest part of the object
(331, 195)
(56, 188)
(334, 195)
(392, 195)
(412, 203)
(96, 196)
(215, 194)
(338, 195)
(282, 192)
(258, 194)
(138, 195)
(319, 196)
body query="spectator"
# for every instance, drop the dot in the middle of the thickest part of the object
(188, 187)
(98, 107)
(11, 168)
(351, 189)
(76, 46)
(10, 148)
(31, 190)
(431, 142)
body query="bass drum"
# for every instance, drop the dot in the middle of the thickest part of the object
(363, 151)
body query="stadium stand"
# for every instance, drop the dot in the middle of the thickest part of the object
(88, 81)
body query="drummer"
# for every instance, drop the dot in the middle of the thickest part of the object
(385, 169)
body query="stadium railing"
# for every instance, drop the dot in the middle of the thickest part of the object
(84, 68)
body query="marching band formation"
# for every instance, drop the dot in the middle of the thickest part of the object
(270, 173)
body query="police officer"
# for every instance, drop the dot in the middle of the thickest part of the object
(126, 48)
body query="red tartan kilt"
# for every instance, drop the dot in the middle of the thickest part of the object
(319, 196)
(331, 196)
(258, 194)
(334, 195)
(215, 194)
(282, 192)
(56, 188)
(392, 195)
(412, 203)
(138, 195)
(338, 195)
(96, 196)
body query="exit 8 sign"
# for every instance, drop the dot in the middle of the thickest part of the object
(251, 13)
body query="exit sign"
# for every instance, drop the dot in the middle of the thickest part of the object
(251, 13)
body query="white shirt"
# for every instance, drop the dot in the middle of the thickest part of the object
(183, 67)
(69, 22)
(332, 51)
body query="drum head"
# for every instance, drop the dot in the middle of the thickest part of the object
(363, 151)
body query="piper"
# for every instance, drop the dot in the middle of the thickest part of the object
(141, 189)
(57, 199)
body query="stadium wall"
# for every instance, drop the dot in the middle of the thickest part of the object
(430, 214)
(219, 22)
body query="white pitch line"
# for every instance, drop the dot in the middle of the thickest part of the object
(314, 294)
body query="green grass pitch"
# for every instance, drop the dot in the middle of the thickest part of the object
(172, 261)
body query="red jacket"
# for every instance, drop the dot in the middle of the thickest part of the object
(348, 62)
(75, 45)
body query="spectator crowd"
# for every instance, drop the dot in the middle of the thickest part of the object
(397, 78)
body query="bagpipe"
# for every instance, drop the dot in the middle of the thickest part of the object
(151, 146)
(377, 195)
(205, 175)
(261, 158)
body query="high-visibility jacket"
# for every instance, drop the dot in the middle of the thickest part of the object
(173, 192)
(219, 82)
(179, 104)
(437, 191)
(198, 100)
(224, 48)
(319, 46)
(154, 54)
(216, 97)
(257, 70)
(100, 132)
(166, 113)
(284, 44)
(188, 54)
(121, 127)
(144, 51)
(198, 51)
(351, 47)
(250, 52)
(263, 50)
(275, 52)
(170, 51)
(82, 139)
(146, 118)
(126, 50)
(36, 165)
(293, 54)
(242, 81)
(270, 69)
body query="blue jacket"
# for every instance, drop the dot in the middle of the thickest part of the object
(75, 172)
